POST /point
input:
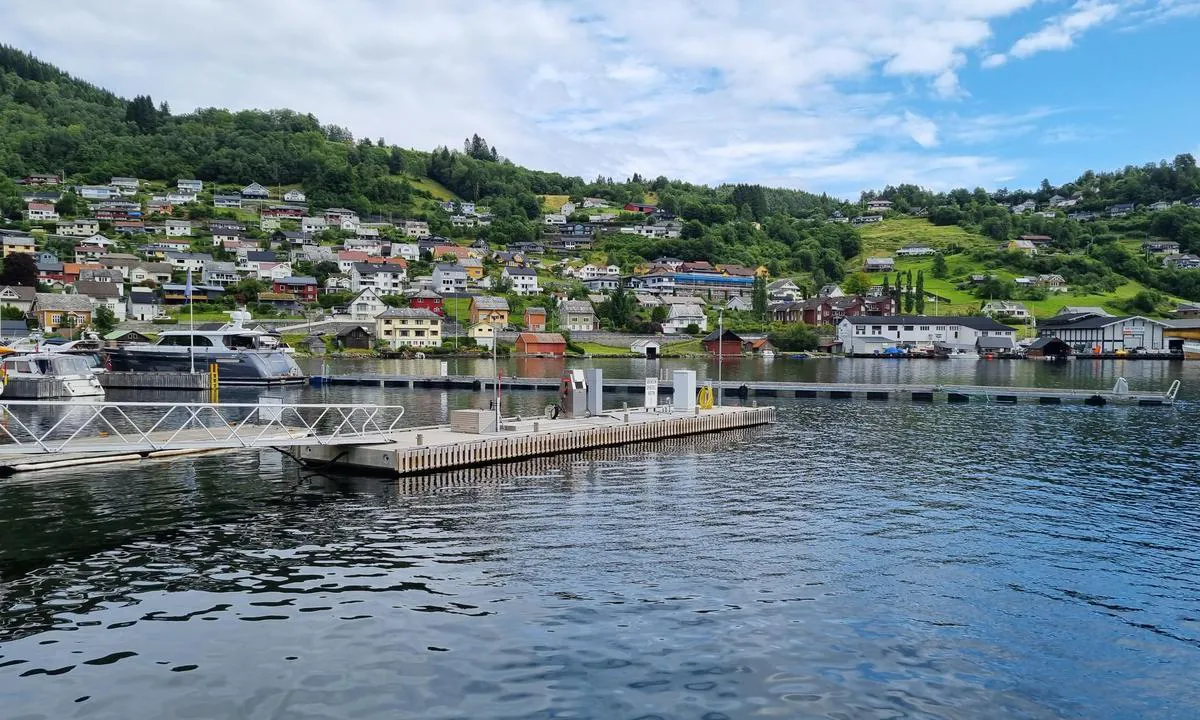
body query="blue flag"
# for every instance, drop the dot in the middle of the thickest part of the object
(187, 289)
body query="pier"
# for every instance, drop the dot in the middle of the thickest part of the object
(1119, 394)
(36, 435)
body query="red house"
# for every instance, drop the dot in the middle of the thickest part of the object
(640, 207)
(724, 343)
(304, 288)
(535, 319)
(551, 344)
(427, 300)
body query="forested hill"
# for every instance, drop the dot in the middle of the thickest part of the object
(51, 122)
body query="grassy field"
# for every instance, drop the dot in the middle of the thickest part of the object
(684, 347)
(592, 348)
(552, 203)
(433, 187)
(889, 236)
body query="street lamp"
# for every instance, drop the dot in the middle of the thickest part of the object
(720, 354)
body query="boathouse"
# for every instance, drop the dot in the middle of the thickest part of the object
(1091, 334)
(355, 338)
(723, 342)
(545, 344)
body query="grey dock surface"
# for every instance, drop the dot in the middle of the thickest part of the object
(762, 388)
(154, 380)
(423, 450)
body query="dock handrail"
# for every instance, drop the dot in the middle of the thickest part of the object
(97, 426)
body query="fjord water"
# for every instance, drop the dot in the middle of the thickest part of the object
(855, 560)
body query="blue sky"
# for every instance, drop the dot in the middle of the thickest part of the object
(825, 96)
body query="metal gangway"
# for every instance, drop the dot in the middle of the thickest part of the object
(84, 427)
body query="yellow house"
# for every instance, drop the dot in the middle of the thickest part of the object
(473, 266)
(409, 327)
(56, 312)
(493, 310)
(18, 244)
(483, 333)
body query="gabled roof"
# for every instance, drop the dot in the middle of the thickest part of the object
(726, 335)
(519, 271)
(542, 338)
(1088, 321)
(96, 289)
(409, 313)
(68, 303)
(24, 294)
(975, 322)
(488, 302)
(577, 307)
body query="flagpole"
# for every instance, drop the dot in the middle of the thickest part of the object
(191, 324)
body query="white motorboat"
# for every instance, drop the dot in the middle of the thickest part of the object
(73, 371)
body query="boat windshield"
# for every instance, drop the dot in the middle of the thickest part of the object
(185, 340)
(242, 342)
(65, 365)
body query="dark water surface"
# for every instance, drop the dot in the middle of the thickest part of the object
(856, 560)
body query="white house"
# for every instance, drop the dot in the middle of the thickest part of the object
(1090, 334)
(255, 191)
(313, 225)
(227, 201)
(524, 280)
(916, 250)
(387, 278)
(191, 186)
(18, 297)
(449, 279)
(367, 305)
(871, 335)
(142, 304)
(415, 228)
(98, 192)
(294, 196)
(220, 274)
(681, 316)
(78, 228)
(188, 261)
(567, 208)
(1006, 308)
(409, 251)
(178, 228)
(41, 212)
(178, 197)
(591, 202)
(555, 219)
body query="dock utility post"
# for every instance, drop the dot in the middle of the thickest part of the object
(683, 395)
(595, 391)
(651, 393)
(572, 396)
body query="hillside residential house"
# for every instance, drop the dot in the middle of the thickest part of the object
(98, 192)
(313, 225)
(1161, 247)
(1090, 334)
(449, 279)
(535, 319)
(78, 228)
(1157, 206)
(679, 317)
(227, 201)
(489, 310)
(1052, 281)
(56, 312)
(188, 261)
(879, 206)
(592, 202)
(1006, 308)
(41, 212)
(219, 274)
(916, 250)
(867, 220)
(17, 243)
(655, 282)
(601, 285)
(17, 297)
(1183, 261)
(409, 327)
(1024, 246)
(577, 316)
(473, 266)
(879, 264)
(871, 335)
(415, 228)
(1119, 210)
(304, 288)
(255, 191)
(524, 280)
(387, 278)
(555, 219)
(366, 305)
(784, 289)
(178, 228)
(104, 294)
(428, 300)
(192, 186)
(292, 196)
(1023, 207)
(409, 251)
(142, 304)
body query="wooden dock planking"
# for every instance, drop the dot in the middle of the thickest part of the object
(761, 388)
(435, 449)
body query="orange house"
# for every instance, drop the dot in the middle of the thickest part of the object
(533, 343)
(535, 319)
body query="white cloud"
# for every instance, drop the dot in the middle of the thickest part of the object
(923, 131)
(707, 91)
(1059, 32)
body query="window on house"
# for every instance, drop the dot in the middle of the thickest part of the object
(892, 327)
(908, 328)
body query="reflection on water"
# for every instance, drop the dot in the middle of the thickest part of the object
(854, 560)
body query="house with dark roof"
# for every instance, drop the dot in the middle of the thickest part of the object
(872, 335)
(1091, 334)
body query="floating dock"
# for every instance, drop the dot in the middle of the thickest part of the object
(1120, 394)
(422, 450)
(155, 380)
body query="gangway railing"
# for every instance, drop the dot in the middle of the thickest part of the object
(81, 426)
